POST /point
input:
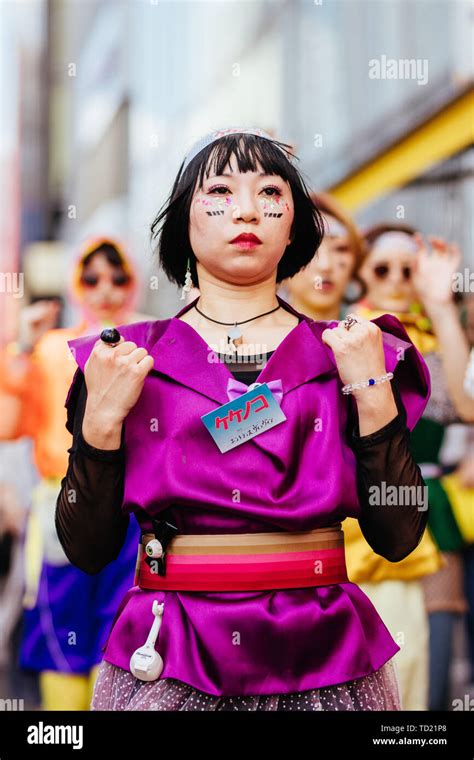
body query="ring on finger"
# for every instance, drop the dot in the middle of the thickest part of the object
(350, 322)
(110, 336)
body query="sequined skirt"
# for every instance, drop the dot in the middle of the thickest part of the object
(117, 689)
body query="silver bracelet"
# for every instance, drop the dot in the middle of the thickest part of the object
(371, 381)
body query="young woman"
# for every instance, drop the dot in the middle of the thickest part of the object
(404, 277)
(243, 563)
(67, 614)
(322, 291)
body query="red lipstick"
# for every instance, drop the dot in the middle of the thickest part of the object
(246, 240)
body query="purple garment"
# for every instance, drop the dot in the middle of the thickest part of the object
(296, 476)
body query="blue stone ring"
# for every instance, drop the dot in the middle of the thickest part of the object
(111, 336)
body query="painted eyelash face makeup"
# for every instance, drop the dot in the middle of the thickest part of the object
(215, 203)
(274, 206)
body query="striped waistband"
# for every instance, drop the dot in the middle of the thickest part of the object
(245, 561)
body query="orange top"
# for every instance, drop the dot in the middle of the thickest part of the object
(33, 389)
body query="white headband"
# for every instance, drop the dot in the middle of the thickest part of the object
(216, 134)
(394, 240)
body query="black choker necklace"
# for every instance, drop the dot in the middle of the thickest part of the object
(234, 335)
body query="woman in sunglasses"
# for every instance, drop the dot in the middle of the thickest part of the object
(406, 278)
(323, 291)
(67, 613)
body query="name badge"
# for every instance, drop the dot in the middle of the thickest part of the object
(239, 420)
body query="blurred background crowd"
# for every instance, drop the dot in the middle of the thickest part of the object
(99, 102)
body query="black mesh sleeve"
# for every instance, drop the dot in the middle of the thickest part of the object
(90, 524)
(392, 493)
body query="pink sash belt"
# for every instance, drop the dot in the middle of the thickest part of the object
(246, 561)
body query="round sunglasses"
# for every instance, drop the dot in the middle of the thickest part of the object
(119, 279)
(381, 271)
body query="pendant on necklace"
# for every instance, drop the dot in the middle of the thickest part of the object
(234, 336)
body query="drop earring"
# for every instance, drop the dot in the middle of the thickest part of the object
(188, 282)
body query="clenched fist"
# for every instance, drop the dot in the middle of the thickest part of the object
(359, 356)
(358, 351)
(114, 379)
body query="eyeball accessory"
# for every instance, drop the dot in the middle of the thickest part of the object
(146, 663)
(154, 549)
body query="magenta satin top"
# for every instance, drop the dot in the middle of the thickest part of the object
(295, 477)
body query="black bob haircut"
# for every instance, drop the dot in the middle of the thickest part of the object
(171, 226)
